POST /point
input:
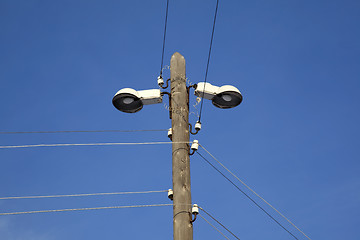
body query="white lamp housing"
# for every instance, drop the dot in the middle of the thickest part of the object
(224, 97)
(206, 90)
(151, 96)
(130, 101)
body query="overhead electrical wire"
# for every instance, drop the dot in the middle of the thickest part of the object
(163, 48)
(254, 192)
(84, 209)
(214, 227)
(208, 60)
(269, 215)
(87, 131)
(84, 144)
(219, 223)
(80, 195)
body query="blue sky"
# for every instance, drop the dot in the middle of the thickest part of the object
(294, 139)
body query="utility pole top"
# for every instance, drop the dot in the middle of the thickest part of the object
(183, 229)
(177, 65)
(177, 54)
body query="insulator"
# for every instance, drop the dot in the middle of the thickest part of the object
(160, 81)
(195, 209)
(197, 126)
(170, 194)
(195, 145)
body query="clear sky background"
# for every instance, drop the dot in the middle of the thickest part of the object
(294, 139)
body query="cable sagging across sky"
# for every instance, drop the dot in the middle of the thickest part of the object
(208, 60)
(80, 195)
(84, 209)
(247, 196)
(163, 48)
(254, 192)
(214, 227)
(87, 131)
(219, 223)
(85, 144)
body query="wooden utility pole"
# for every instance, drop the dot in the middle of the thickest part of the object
(183, 229)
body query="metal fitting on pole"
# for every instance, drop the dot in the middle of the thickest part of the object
(197, 128)
(170, 133)
(160, 81)
(194, 146)
(170, 194)
(195, 212)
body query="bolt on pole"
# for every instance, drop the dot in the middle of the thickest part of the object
(183, 229)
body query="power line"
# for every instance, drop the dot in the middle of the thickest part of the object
(248, 196)
(208, 61)
(84, 209)
(254, 192)
(163, 48)
(220, 223)
(213, 226)
(87, 131)
(85, 144)
(80, 195)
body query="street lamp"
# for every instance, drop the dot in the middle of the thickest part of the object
(130, 101)
(223, 97)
